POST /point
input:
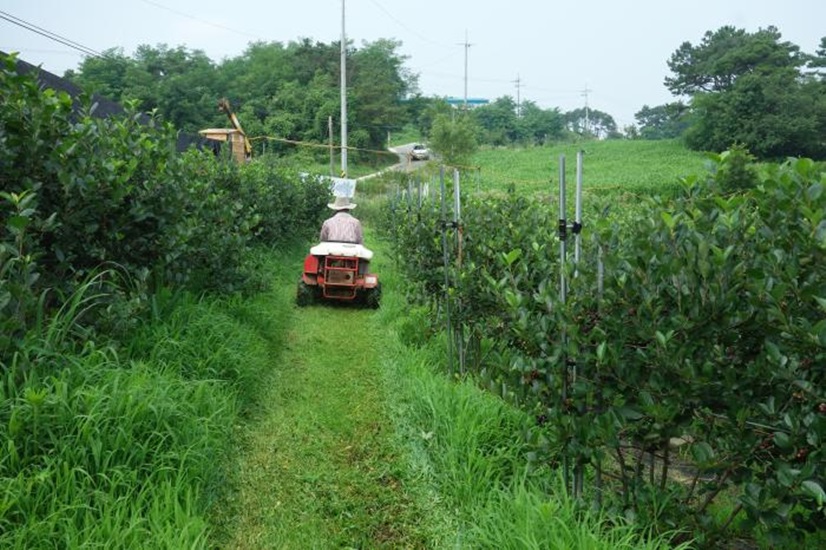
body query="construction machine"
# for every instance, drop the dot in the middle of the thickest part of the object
(237, 138)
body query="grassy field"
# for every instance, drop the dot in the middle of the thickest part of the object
(625, 165)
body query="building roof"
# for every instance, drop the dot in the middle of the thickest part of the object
(474, 101)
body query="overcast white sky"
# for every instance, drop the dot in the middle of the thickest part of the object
(616, 49)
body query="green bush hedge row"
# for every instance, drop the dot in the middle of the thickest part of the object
(79, 193)
(709, 329)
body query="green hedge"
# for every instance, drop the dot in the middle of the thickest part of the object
(709, 331)
(80, 194)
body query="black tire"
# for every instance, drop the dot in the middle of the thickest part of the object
(372, 297)
(305, 294)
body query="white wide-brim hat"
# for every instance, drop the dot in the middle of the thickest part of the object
(342, 203)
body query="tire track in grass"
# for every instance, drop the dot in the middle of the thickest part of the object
(319, 467)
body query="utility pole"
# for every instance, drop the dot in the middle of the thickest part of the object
(332, 151)
(343, 95)
(467, 46)
(518, 83)
(585, 94)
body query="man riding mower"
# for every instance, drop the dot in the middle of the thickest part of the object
(337, 268)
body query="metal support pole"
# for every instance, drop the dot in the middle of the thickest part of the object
(457, 223)
(447, 274)
(598, 374)
(577, 229)
(563, 294)
(332, 150)
(563, 232)
(579, 469)
(457, 201)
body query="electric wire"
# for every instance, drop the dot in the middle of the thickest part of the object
(198, 19)
(405, 27)
(85, 50)
(49, 34)
(439, 61)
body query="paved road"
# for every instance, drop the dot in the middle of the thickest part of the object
(405, 164)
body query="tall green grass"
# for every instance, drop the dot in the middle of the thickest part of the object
(107, 446)
(468, 444)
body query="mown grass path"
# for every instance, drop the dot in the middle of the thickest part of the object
(318, 466)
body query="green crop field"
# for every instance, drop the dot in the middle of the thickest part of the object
(625, 165)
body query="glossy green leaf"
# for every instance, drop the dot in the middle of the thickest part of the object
(782, 440)
(512, 256)
(702, 452)
(815, 490)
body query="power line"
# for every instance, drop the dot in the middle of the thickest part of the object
(198, 19)
(50, 35)
(405, 27)
(556, 91)
(439, 61)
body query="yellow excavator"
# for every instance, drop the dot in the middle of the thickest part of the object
(239, 144)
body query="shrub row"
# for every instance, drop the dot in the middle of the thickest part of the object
(118, 392)
(708, 330)
(78, 193)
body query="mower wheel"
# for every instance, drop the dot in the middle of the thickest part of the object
(372, 296)
(305, 294)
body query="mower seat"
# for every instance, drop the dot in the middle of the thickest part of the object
(341, 249)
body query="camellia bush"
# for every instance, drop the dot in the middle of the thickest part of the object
(80, 194)
(688, 381)
(124, 365)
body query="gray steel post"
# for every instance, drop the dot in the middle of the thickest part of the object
(578, 214)
(579, 471)
(457, 223)
(563, 294)
(446, 258)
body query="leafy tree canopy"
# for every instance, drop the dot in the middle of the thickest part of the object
(727, 54)
(751, 89)
(591, 122)
(662, 121)
(287, 90)
(540, 125)
(453, 136)
(818, 61)
(504, 122)
(498, 121)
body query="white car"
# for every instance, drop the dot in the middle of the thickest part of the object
(419, 152)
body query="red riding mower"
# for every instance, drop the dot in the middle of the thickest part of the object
(338, 272)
